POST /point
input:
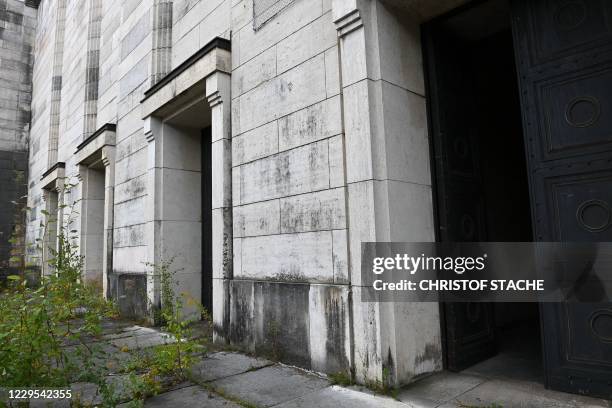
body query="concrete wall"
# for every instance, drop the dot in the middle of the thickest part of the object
(17, 30)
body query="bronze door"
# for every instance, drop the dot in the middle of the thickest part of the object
(564, 59)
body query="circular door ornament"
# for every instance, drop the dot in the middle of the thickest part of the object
(582, 111)
(601, 325)
(570, 15)
(594, 215)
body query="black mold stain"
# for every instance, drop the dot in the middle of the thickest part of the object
(389, 369)
(432, 352)
(285, 330)
(240, 331)
(335, 311)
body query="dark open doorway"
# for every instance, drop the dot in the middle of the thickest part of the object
(207, 263)
(480, 176)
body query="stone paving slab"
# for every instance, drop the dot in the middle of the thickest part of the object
(188, 397)
(142, 341)
(262, 383)
(509, 366)
(411, 401)
(105, 355)
(339, 397)
(522, 394)
(86, 394)
(130, 331)
(440, 388)
(224, 364)
(271, 385)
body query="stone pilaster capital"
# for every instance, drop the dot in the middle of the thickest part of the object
(151, 128)
(347, 16)
(108, 155)
(348, 23)
(214, 99)
(218, 88)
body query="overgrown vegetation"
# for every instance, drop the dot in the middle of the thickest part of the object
(167, 364)
(16, 262)
(48, 329)
(38, 321)
(385, 386)
(341, 378)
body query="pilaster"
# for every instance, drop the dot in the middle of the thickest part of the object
(218, 96)
(152, 131)
(108, 159)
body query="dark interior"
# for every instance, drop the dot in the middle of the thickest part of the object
(207, 276)
(506, 191)
(483, 59)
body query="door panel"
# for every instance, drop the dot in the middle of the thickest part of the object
(581, 100)
(469, 328)
(564, 60)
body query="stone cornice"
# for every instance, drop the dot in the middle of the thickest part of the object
(91, 149)
(186, 81)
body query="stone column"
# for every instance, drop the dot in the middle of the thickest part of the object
(82, 177)
(56, 81)
(54, 198)
(108, 159)
(368, 339)
(152, 130)
(92, 67)
(388, 339)
(49, 233)
(161, 54)
(218, 95)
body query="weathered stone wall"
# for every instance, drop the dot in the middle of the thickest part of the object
(127, 40)
(290, 291)
(17, 30)
(195, 23)
(43, 85)
(13, 186)
(104, 49)
(320, 161)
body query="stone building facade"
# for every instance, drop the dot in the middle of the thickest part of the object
(254, 143)
(17, 30)
(304, 140)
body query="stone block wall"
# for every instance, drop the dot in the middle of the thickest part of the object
(17, 31)
(44, 84)
(195, 23)
(320, 161)
(127, 41)
(290, 292)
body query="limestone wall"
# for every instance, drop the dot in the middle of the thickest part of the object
(17, 31)
(131, 76)
(42, 85)
(290, 288)
(195, 23)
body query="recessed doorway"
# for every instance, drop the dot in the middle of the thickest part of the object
(482, 188)
(187, 200)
